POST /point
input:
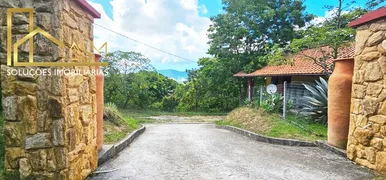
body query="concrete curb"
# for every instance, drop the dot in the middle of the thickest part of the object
(324, 145)
(109, 152)
(261, 138)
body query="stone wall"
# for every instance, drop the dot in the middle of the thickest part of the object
(367, 142)
(50, 125)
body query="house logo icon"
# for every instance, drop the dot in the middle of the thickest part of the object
(32, 33)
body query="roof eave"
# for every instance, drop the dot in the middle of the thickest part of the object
(371, 16)
(87, 7)
(289, 74)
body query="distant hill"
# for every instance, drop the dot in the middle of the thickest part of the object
(179, 76)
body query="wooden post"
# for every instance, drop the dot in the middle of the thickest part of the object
(250, 89)
(285, 100)
(261, 94)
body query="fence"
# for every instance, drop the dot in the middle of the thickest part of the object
(293, 93)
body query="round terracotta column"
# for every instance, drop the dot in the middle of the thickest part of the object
(99, 104)
(339, 97)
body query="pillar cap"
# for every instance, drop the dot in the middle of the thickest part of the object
(344, 59)
(97, 55)
(87, 7)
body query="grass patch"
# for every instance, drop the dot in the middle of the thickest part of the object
(114, 132)
(147, 113)
(116, 126)
(261, 122)
(227, 123)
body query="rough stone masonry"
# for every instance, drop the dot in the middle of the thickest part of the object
(367, 142)
(50, 121)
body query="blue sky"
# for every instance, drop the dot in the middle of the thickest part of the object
(215, 6)
(176, 26)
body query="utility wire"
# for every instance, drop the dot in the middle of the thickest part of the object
(171, 54)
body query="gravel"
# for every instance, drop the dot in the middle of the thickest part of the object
(200, 151)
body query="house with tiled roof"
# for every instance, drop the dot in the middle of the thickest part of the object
(301, 69)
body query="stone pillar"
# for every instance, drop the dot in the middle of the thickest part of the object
(367, 142)
(50, 120)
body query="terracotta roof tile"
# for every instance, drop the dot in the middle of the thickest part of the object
(241, 74)
(300, 64)
(371, 16)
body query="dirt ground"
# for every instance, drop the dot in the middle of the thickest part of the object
(185, 119)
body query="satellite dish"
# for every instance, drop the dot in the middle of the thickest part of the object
(271, 89)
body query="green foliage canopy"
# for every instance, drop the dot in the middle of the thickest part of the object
(249, 27)
(239, 40)
(325, 38)
(131, 81)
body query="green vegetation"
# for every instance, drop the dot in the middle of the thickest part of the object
(115, 132)
(248, 35)
(132, 83)
(274, 103)
(326, 38)
(253, 33)
(137, 114)
(239, 39)
(116, 126)
(2, 147)
(111, 113)
(316, 104)
(272, 125)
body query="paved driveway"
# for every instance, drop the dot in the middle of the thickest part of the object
(200, 151)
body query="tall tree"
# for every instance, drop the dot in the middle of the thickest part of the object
(132, 82)
(325, 38)
(239, 38)
(247, 27)
(371, 4)
(209, 88)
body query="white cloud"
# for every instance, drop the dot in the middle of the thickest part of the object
(327, 15)
(204, 9)
(320, 19)
(189, 4)
(173, 26)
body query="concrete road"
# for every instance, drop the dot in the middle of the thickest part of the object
(200, 151)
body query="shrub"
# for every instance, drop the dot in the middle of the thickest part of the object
(274, 103)
(316, 104)
(247, 102)
(112, 114)
(168, 103)
(256, 103)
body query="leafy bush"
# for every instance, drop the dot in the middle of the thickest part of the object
(168, 103)
(247, 102)
(1, 101)
(274, 103)
(112, 114)
(256, 103)
(137, 86)
(316, 104)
